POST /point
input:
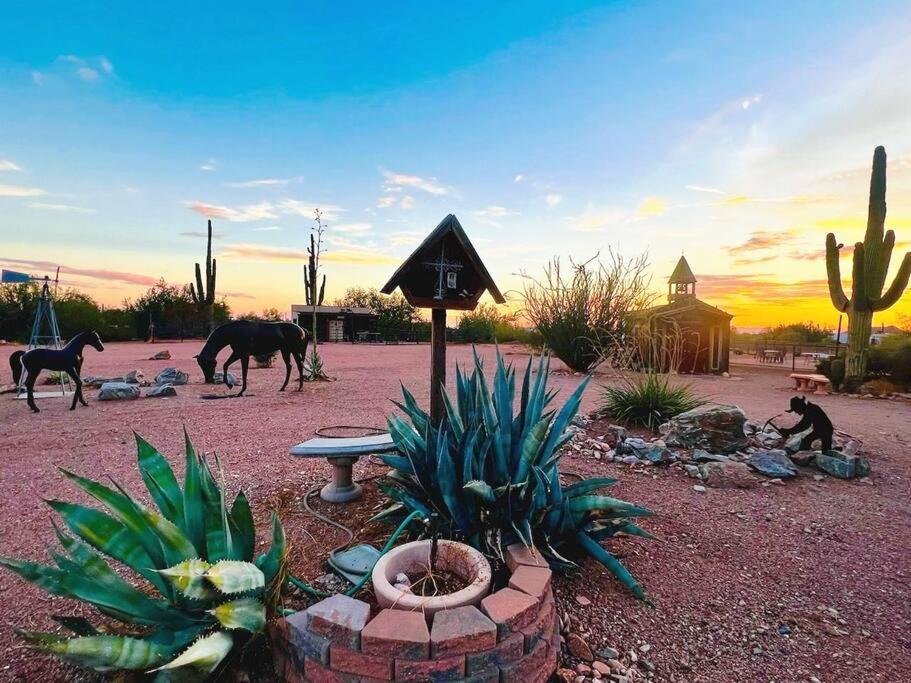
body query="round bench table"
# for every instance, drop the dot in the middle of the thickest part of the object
(342, 453)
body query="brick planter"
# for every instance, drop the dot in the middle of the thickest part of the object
(511, 637)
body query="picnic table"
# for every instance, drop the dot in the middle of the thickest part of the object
(818, 384)
(771, 356)
(342, 453)
(369, 337)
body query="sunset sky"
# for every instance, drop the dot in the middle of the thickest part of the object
(738, 133)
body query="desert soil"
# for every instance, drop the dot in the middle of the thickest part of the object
(776, 583)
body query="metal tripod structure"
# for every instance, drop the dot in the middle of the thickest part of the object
(46, 317)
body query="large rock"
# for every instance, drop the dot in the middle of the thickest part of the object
(774, 463)
(615, 435)
(843, 466)
(633, 446)
(161, 391)
(659, 455)
(162, 355)
(700, 455)
(118, 391)
(134, 377)
(727, 475)
(715, 427)
(172, 376)
(219, 378)
(804, 458)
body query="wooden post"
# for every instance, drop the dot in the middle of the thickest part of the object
(437, 364)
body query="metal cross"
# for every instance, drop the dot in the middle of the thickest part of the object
(441, 267)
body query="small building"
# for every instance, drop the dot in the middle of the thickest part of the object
(685, 334)
(335, 323)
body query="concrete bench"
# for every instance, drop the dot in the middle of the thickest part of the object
(818, 384)
(342, 454)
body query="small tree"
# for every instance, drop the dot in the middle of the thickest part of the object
(582, 313)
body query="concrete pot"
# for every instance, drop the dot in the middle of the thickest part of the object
(458, 558)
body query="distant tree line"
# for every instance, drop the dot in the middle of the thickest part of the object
(168, 309)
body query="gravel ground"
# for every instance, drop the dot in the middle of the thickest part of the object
(776, 583)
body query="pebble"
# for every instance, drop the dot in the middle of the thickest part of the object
(698, 488)
(582, 600)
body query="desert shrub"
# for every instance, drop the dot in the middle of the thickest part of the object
(265, 360)
(648, 400)
(878, 387)
(492, 475)
(487, 324)
(834, 369)
(582, 313)
(201, 595)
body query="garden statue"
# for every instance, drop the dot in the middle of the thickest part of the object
(68, 360)
(811, 415)
(250, 338)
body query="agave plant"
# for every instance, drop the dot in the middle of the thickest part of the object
(492, 475)
(200, 591)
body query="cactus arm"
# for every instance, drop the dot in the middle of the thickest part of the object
(211, 292)
(322, 292)
(876, 217)
(859, 297)
(899, 285)
(200, 292)
(833, 269)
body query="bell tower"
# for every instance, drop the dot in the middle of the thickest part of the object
(682, 283)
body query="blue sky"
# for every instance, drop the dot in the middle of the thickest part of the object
(740, 132)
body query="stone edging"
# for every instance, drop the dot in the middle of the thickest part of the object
(512, 638)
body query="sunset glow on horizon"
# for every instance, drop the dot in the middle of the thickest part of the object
(738, 135)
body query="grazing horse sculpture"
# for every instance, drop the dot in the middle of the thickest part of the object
(249, 338)
(68, 360)
(15, 364)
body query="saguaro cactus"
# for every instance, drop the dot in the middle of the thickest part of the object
(314, 295)
(871, 264)
(205, 298)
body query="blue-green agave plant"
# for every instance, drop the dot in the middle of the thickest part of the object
(201, 590)
(492, 475)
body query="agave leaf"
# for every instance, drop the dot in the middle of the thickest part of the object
(218, 532)
(612, 563)
(243, 530)
(193, 504)
(481, 489)
(397, 494)
(395, 510)
(78, 625)
(564, 417)
(100, 652)
(587, 486)
(397, 462)
(446, 477)
(272, 563)
(248, 614)
(607, 504)
(232, 576)
(159, 480)
(531, 448)
(204, 655)
(455, 421)
(189, 577)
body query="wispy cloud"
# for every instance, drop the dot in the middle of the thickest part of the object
(407, 202)
(394, 182)
(7, 165)
(553, 199)
(210, 165)
(405, 239)
(88, 69)
(265, 210)
(386, 201)
(199, 233)
(265, 182)
(651, 206)
(495, 211)
(94, 273)
(268, 228)
(763, 239)
(703, 188)
(352, 228)
(594, 219)
(68, 208)
(256, 252)
(19, 191)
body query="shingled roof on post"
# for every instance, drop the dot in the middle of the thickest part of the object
(413, 276)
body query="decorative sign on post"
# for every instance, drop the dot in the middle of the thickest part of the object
(444, 272)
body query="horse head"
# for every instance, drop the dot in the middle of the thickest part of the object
(207, 365)
(94, 340)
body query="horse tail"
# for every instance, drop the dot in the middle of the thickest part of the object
(15, 364)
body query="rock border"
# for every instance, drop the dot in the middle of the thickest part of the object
(511, 637)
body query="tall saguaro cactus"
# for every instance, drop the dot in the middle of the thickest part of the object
(871, 264)
(205, 298)
(314, 295)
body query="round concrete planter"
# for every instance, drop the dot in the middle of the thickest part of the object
(458, 558)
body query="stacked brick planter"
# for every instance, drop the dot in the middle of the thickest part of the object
(512, 636)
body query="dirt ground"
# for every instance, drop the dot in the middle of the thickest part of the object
(777, 583)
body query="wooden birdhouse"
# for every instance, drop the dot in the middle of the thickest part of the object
(444, 272)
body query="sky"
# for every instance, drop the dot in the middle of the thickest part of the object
(736, 133)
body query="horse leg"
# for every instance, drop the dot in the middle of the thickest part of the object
(286, 356)
(77, 380)
(299, 359)
(224, 368)
(244, 362)
(30, 378)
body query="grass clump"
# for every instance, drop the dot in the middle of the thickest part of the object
(648, 400)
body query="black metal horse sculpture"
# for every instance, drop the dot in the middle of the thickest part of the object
(68, 360)
(15, 364)
(248, 338)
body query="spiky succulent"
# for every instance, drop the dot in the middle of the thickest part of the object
(195, 553)
(492, 475)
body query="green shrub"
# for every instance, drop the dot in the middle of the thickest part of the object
(648, 400)
(492, 474)
(195, 552)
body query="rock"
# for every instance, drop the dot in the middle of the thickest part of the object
(161, 391)
(219, 378)
(601, 667)
(630, 459)
(578, 647)
(118, 391)
(693, 472)
(172, 376)
(566, 675)
(792, 444)
(843, 466)
(700, 455)
(162, 355)
(770, 438)
(615, 435)
(608, 653)
(850, 448)
(727, 475)
(133, 377)
(774, 463)
(582, 600)
(804, 458)
(659, 455)
(698, 488)
(715, 427)
(633, 446)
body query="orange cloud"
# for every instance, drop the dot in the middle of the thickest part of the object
(282, 254)
(95, 273)
(762, 239)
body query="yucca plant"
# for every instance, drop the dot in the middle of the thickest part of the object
(492, 475)
(648, 400)
(200, 591)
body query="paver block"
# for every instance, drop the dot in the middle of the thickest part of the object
(339, 620)
(507, 651)
(530, 669)
(518, 554)
(445, 669)
(510, 610)
(315, 672)
(460, 630)
(397, 633)
(532, 580)
(287, 669)
(305, 643)
(542, 628)
(351, 661)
